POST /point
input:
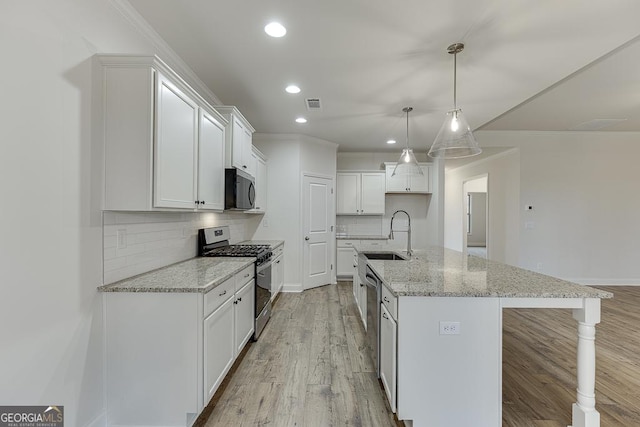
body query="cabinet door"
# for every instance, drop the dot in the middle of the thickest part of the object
(372, 193)
(388, 355)
(219, 350)
(210, 163)
(261, 185)
(277, 276)
(356, 277)
(248, 159)
(362, 304)
(175, 147)
(244, 315)
(421, 184)
(344, 262)
(348, 193)
(395, 183)
(237, 144)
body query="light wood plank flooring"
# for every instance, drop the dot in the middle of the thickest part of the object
(309, 368)
(539, 364)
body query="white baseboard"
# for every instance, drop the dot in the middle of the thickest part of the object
(292, 287)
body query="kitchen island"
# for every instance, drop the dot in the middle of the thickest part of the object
(446, 348)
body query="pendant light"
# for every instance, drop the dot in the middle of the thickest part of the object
(455, 139)
(407, 164)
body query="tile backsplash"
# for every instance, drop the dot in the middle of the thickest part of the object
(137, 242)
(359, 225)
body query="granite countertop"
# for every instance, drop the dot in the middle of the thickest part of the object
(360, 237)
(274, 243)
(195, 275)
(441, 272)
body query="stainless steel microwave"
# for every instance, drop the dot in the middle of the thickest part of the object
(239, 190)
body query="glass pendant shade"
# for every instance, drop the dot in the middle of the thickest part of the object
(455, 139)
(407, 164)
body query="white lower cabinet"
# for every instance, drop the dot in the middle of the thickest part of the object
(344, 261)
(244, 318)
(388, 355)
(219, 348)
(167, 353)
(277, 272)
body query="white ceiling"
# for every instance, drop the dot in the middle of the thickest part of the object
(527, 65)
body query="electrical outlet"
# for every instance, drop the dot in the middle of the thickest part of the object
(449, 328)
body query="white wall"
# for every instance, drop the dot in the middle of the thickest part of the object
(289, 156)
(50, 220)
(504, 197)
(582, 186)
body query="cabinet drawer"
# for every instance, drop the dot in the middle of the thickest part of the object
(390, 302)
(347, 243)
(218, 295)
(374, 242)
(244, 276)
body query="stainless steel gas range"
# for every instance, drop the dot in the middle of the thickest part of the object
(214, 242)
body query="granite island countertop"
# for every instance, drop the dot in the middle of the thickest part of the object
(441, 272)
(194, 275)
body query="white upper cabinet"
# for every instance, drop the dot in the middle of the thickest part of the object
(239, 135)
(211, 163)
(408, 183)
(360, 193)
(261, 182)
(163, 143)
(175, 148)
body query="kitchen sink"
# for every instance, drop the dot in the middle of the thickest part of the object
(392, 256)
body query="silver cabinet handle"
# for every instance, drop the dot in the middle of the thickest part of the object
(306, 238)
(224, 293)
(385, 299)
(384, 315)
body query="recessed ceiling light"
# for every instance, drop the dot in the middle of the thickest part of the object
(301, 120)
(391, 141)
(275, 29)
(292, 89)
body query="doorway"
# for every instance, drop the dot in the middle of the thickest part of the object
(317, 230)
(476, 219)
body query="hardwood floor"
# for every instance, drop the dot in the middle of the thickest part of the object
(308, 368)
(539, 364)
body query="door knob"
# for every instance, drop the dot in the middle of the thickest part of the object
(306, 238)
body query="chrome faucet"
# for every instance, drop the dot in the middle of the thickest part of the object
(409, 251)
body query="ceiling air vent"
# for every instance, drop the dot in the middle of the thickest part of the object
(313, 104)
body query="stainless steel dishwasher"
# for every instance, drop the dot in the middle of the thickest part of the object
(374, 298)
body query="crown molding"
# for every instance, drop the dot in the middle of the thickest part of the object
(163, 50)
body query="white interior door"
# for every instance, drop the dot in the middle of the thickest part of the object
(318, 217)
